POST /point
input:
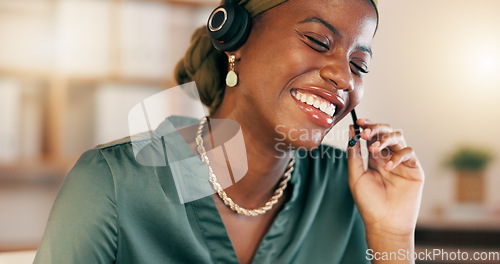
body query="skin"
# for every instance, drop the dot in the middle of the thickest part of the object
(277, 58)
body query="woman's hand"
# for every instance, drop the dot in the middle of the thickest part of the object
(388, 193)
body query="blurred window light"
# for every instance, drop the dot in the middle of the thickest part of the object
(144, 39)
(83, 31)
(479, 64)
(487, 63)
(26, 35)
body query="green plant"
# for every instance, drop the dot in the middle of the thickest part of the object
(469, 158)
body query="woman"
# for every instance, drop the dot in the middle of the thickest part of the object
(301, 69)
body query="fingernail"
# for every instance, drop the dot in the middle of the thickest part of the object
(375, 144)
(368, 132)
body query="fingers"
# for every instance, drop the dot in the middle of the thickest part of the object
(406, 156)
(380, 136)
(387, 144)
(370, 130)
(394, 141)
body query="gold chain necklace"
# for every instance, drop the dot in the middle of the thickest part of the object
(223, 195)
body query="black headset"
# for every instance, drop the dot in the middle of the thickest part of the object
(229, 26)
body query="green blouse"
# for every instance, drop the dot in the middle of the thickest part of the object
(111, 209)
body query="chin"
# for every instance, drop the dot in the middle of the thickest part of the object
(293, 138)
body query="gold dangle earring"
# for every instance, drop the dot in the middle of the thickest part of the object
(231, 78)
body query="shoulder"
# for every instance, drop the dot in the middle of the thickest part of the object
(91, 170)
(96, 162)
(124, 142)
(103, 168)
(127, 151)
(82, 225)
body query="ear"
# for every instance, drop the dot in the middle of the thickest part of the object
(236, 53)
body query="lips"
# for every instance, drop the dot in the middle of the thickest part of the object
(318, 104)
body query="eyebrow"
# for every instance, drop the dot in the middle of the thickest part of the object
(333, 30)
(319, 20)
(365, 49)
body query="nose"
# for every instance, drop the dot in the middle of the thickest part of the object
(338, 72)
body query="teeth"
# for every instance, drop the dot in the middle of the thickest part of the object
(318, 102)
(303, 98)
(331, 110)
(310, 100)
(323, 107)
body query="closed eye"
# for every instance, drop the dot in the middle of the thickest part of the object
(359, 71)
(324, 45)
(315, 41)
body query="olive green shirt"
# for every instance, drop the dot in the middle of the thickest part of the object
(111, 209)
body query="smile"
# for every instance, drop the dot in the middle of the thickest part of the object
(318, 104)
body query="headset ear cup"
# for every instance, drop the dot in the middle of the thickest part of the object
(242, 33)
(221, 21)
(231, 31)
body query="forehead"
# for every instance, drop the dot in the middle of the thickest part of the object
(357, 17)
(344, 6)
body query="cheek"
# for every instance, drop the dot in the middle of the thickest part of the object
(277, 64)
(354, 98)
(299, 59)
(267, 70)
(357, 94)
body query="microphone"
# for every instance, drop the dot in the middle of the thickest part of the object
(357, 130)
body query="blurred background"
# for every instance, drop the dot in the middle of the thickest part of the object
(435, 75)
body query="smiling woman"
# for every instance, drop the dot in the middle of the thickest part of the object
(291, 66)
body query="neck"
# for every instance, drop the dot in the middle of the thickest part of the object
(266, 165)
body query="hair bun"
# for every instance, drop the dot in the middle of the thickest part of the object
(202, 64)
